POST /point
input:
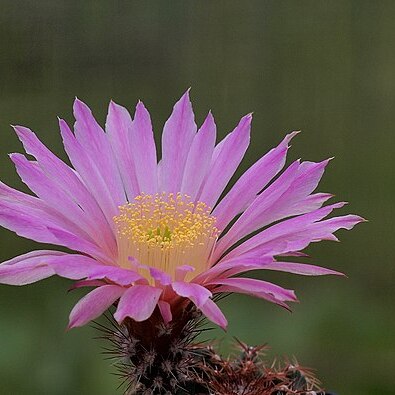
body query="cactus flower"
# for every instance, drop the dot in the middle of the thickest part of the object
(156, 235)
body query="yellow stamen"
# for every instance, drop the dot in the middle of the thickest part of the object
(165, 231)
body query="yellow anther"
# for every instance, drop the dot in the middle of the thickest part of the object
(166, 231)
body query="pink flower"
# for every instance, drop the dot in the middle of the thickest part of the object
(154, 234)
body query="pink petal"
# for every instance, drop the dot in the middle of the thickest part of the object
(287, 196)
(310, 174)
(300, 268)
(77, 267)
(30, 222)
(92, 176)
(31, 218)
(200, 296)
(214, 314)
(94, 304)
(296, 234)
(199, 158)
(87, 283)
(165, 311)
(37, 265)
(262, 295)
(244, 263)
(28, 268)
(138, 302)
(323, 230)
(143, 149)
(195, 292)
(295, 254)
(177, 137)
(290, 235)
(73, 266)
(116, 275)
(96, 145)
(118, 128)
(160, 276)
(71, 214)
(251, 183)
(76, 243)
(225, 161)
(251, 218)
(71, 185)
(182, 271)
(254, 287)
(230, 267)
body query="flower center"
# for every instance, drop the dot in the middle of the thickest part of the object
(165, 231)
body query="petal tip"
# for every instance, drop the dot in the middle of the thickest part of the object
(291, 135)
(140, 108)
(209, 120)
(185, 96)
(71, 325)
(79, 106)
(77, 101)
(113, 106)
(248, 117)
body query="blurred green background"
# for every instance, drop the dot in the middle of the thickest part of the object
(325, 67)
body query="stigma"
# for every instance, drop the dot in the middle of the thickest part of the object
(165, 231)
